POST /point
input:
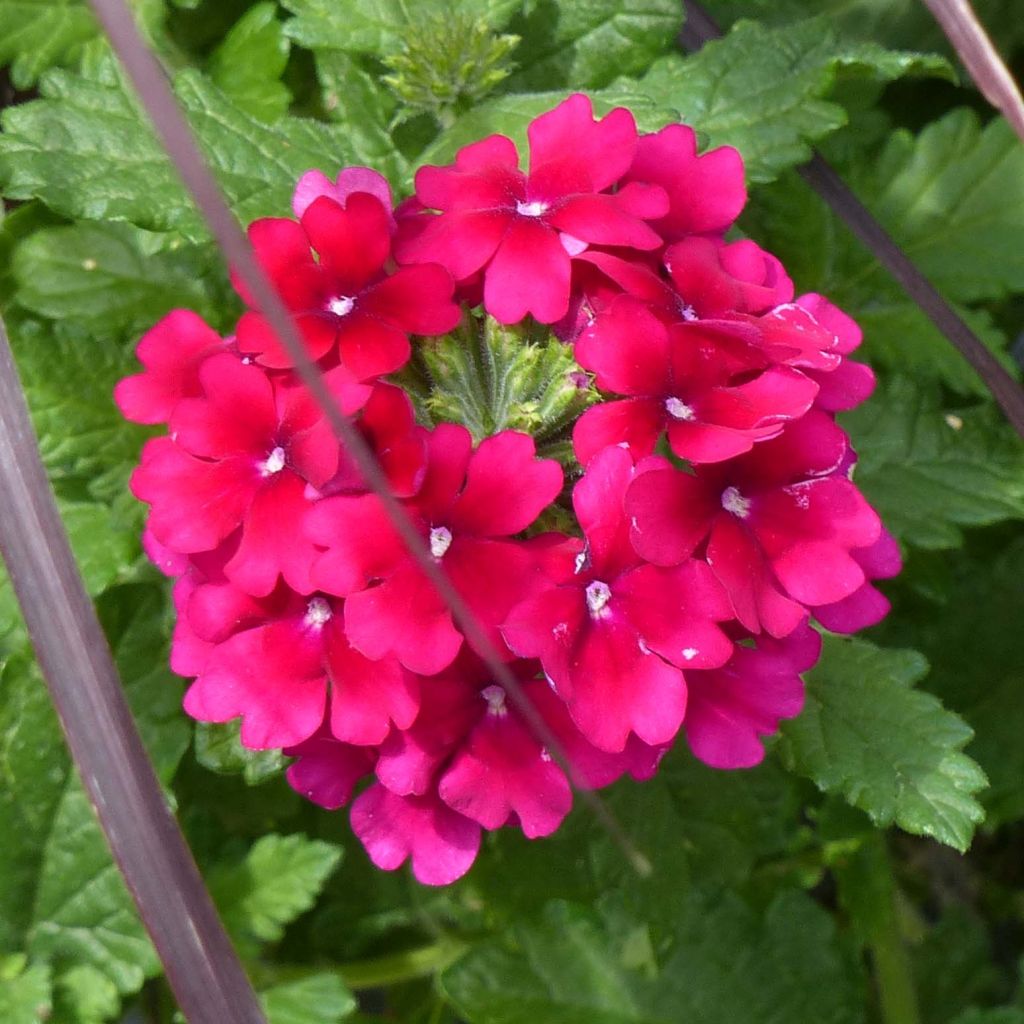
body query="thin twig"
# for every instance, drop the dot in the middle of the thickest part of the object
(158, 100)
(978, 54)
(818, 173)
(202, 968)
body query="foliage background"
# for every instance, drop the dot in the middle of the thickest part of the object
(873, 868)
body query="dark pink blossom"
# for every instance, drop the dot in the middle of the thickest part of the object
(241, 455)
(314, 184)
(613, 633)
(171, 353)
(778, 525)
(522, 229)
(706, 193)
(731, 708)
(867, 605)
(441, 843)
(344, 300)
(848, 384)
(326, 770)
(278, 674)
(713, 405)
(469, 506)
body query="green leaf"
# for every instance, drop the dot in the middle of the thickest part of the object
(953, 197)
(111, 276)
(1000, 1015)
(86, 151)
(86, 996)
(219, 748)
(61, 895)
(319, 999)
(762, 90)
(930, 469)
(278, 880)
(36, 34)
(725, 963)
(891, 750)
(378, 27)
(25, 996)
(586, 44)
(249, 62)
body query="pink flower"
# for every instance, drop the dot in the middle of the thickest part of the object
(240, 456)
(867, 605)
(779, 524)
(850, 383)
(327, 770)
(278, 671)
(713, 277)
(470, 504)
(706, 193)
(314, 184)
(613, 633)
(681, 380)
(343, 299)
(732, 707)
(441, 843)
(522, 229)
(171, 353)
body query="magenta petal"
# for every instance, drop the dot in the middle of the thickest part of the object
(671, 513)
(441, 843)
(327, 771)
(403, 616)
(627, 349)
(635, 422)
(866, 606)
(367, 696)
(529, 275)
(507, 486)
(502, 771)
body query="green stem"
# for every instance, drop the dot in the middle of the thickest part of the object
(376, 972)
(896, 993)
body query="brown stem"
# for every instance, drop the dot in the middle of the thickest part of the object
(700, 29)
(202, 968)
(975, 49)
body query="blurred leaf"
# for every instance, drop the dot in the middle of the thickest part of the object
(36, 34)
(25, 996)
(1001, 1015)
(891, 750)
(930, 470)
(724, 964)
(111, 276)
(278, 880)
(249, 62)
(219, 748)
(319, 999)
(762, 90)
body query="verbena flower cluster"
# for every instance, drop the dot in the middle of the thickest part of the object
(714, 513)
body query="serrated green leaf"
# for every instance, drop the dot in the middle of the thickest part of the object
(891, 750)
(111, 276)
(25, 994)
(725, 963)
(953, 197)
(378, 27)
(586, 44)
(319, 999)
(60, 894)
(249, 62)
(36, 34)
(930, 469)
(219, 748)
(763, 90)
(86, 151)
(279, 879)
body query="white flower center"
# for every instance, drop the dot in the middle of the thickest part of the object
(318, 612)
(534, 209)
(678, 409)
(689, 653)
(495, 697)
(687, 312)
(734, 502)
(341, 305)
(598, 596)
(440, 541)
(274, 463)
